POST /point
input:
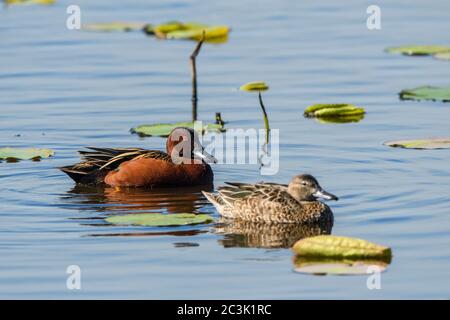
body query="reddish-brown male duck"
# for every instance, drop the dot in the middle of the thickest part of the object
(184, 164)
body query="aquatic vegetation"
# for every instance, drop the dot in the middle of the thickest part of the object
(424, 50)
(259, 86)
(164, 129)
(188, 31)
(338, 247)
(43, 2)
(426, 93)
(434, 143)
(160, 220)
(25, 153)
(117, 26)
(254, 86)
(335, 112)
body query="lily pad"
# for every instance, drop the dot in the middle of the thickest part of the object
(43, 2)
(335, 112)
(338, 267)
(25, 154)
(418, 50)
(254, 86)
(116, 26)
(430, 144)
(160, 220)
(189, 30)
(443, 56)
(426, 93)
(336, 247)
(196, 33)
(164, 129)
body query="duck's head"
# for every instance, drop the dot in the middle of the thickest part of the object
(305, 187)
(183, 145)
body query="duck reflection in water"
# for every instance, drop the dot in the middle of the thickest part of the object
(246, 234)
(134, 200)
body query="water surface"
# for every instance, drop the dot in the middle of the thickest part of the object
(65, 89)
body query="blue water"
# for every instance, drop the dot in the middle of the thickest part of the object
(64, 90)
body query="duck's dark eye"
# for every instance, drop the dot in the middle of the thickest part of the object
(304, 183)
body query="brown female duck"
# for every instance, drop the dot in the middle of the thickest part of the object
(274, 203)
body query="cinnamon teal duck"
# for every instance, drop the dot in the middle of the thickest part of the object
(296, 202)
(183, 164)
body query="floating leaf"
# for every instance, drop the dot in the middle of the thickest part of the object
(197, 33)
(116, 26)
(335, 112)
(335, 247)
(443, 56)
(254, 86)
(338, 267)
(160, 220)
(25, 154)
(418, 50)
(426, 93)
(44, 2)
(435, 143)
(164, 129)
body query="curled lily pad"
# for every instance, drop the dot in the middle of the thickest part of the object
(160, 220)
(335, 112)
(43, 2)
(338, 267)
(442, 56)
(254, 86)
(164, 129)
(24, 153)
(418, 50)
(211, 33)
(426, 93)
(435, 143)
(115, 26)
(337, 247)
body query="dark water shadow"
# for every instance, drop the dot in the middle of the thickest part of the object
(261, 235)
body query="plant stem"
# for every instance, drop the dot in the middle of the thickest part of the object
(266, 118)
(194, 77)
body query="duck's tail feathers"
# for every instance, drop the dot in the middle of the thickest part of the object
(84, 174)
(213, 198)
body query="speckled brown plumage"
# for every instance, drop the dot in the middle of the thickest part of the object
(274, 203)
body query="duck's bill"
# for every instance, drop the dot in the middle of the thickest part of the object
(324, 195)
(205, 156)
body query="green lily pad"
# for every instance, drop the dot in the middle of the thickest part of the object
(43, 2)
(164, 129)
(418, 50)
(430, 144)
(442, 56)
(336, 247)
(254, 86)
(338, 267)
(335, 112)
(160, 220)
(426, 93)
(116, 26)
(25, 154)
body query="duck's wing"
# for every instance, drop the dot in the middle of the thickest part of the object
(96, 162)
(263, 191)
(111, 158)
